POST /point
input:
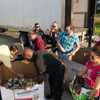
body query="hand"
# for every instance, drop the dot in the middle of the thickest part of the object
(73, 53)
(85, 54)
(21, 75)
(53, 30)
(40, 78)
(62, 49)
(35, 79)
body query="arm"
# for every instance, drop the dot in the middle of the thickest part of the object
(52, 30)
(61, 48)
(11, 70)
(43, 36)
(40, 78)
(50, 34)
(96, 88)
(73, 52)
(83, 71)
(85, 54)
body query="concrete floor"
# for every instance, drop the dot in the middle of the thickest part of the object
(65, 95)
(11, 38)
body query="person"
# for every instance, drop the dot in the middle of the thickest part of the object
(92, 72)
(46, 62)
(66, 41)
(13, 50)
(37, 41)
(14, 56)
(5, 59)
(39, 32)
(96, 44)
(54, 33)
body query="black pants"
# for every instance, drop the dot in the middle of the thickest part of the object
(56, 83)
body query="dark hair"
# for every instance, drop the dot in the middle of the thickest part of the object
(13, 48)
(96, 50)
(36, 24)
(71, 27)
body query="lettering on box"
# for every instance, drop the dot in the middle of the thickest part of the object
(75, 70)
(28, 92)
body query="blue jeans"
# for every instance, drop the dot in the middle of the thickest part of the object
(64, 56)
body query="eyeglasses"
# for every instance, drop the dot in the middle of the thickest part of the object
(37, 26)
(66, 30)
(53, 26)
(92, 56)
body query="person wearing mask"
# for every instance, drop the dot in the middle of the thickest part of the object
(92, 73)
(5, 59)
(54, 33)
(37, 41)
(46, 62)
(66, 42)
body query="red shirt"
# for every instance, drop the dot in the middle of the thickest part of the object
(38, 44)
(91, 74)
(97, 44)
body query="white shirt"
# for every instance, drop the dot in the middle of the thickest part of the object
(5, 55)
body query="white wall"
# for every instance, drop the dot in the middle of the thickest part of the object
(28, 12)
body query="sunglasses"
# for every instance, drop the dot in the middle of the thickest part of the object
(92, 57)
(66, 30)
(37, 26)
(53, 26)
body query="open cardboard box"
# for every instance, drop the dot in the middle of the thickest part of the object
(79, 57)
(28, 70)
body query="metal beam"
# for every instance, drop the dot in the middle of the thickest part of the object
(68, 4)
(91, 12)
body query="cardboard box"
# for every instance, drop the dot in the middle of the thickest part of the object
(79, 57)
(28, 70)
(84, 94)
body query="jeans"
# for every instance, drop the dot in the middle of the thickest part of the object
(64, 56)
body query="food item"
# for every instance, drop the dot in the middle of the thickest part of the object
(78, 89)
(78, 84)
(75, 84)
(20, 83)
